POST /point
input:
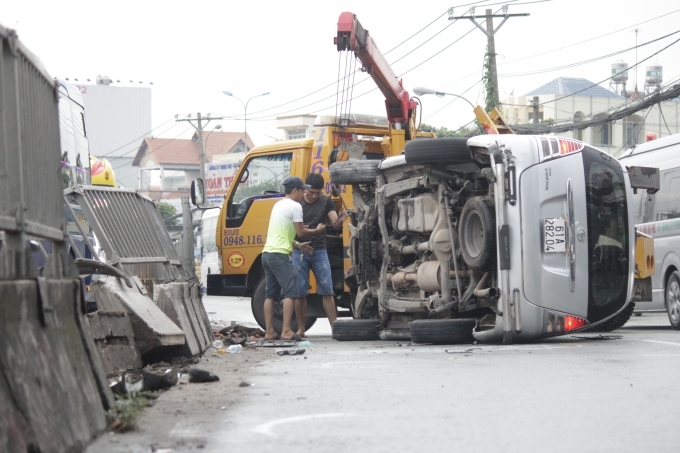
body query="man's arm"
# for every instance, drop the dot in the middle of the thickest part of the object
(302, 231)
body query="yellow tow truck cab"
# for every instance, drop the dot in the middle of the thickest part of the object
(256, 187)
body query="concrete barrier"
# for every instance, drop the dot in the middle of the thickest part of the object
(53, 389)
(113, 335)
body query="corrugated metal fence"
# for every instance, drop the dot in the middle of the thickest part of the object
(30, 184)
(131, 232)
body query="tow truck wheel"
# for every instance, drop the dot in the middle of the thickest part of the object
(257, 306)
(356, 329)
(443, 331)
(449, 150)
(354, 171)
(673, 300)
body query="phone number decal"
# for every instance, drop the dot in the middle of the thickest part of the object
(253, 239)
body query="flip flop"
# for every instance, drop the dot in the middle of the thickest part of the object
(295, 337)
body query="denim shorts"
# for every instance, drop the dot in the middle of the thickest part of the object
(280, 276)
(319, 263)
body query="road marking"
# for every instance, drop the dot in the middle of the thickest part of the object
(662, 342)
(266, 428)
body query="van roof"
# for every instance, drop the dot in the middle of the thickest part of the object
(653, 145)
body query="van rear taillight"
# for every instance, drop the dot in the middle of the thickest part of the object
(557, 323)
(556, 146)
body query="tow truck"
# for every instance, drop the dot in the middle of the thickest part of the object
(448, 239)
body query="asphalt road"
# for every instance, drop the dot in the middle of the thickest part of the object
(572, 393)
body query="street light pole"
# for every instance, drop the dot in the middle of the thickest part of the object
(245, 113)
(421, 91)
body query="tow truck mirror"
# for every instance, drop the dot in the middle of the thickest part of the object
(244, 176)
(644, 178)
(197, 192)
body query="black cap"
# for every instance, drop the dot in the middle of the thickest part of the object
(293, 182)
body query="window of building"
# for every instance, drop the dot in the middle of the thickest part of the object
(602, 133)
(296, 133)
(633, 127)
(578, 118)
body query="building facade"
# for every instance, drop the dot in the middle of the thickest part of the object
(572, 100)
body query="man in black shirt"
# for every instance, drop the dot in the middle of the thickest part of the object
(316, 209)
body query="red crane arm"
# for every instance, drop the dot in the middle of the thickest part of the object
(352, 36)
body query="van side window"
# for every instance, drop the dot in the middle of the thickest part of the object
(673, 199)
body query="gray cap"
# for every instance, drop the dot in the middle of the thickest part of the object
(293, 182)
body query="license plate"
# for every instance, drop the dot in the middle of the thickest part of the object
(554, 237)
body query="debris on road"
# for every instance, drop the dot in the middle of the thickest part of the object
(306, 344)
(135, 381)
(246, 384)
(467, 351)
(290, 351)
(197, 375)
(238, 334)
(599, 337)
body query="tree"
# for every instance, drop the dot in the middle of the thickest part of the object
(167, 210)
(445, 132)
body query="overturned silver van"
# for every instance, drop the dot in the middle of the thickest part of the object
(494, 238)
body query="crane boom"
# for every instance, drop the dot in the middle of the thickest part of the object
(352, 36)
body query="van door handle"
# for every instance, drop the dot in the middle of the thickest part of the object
(571, 246)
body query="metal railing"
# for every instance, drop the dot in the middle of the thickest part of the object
(131, 232)
(30, 179)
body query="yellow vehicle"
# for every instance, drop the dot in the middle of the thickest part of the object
(244, 218)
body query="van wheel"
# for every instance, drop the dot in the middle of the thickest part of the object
(616, 322)
(354, 171)
(477, 233)
(356, 329)
(673, 300)
(257, 306)
(443, 331)
(449, 150)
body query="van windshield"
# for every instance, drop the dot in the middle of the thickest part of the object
(608, 234)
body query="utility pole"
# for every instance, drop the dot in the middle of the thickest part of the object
(534, 104)
(491, 44)
(199, 129)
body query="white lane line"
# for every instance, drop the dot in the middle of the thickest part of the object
(330, 364)
(662, 342)
(266, 428)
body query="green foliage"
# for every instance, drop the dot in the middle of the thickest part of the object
(124, 414)
(445, 132)
(167, 210)
(489, 84)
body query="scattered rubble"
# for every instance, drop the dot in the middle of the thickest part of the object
(197, 375)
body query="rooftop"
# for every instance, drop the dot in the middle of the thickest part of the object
(565, 86)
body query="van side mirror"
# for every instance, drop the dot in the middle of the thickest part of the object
(197, 192)
(644, 178)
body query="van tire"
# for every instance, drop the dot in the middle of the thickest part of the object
(477, 234)
(443, 331)
(356, 330)
(354, 171)
(257, 306)
(616, 322)
(672, 296)
(449, 150)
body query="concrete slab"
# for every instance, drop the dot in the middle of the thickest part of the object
(152, 327)
(53, 393)
(115, 340)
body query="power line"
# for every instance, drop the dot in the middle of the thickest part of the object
(592, 60)
(135, 140)
(647, 102)
(164, 144)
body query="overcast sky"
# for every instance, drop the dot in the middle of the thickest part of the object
(192, 51)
